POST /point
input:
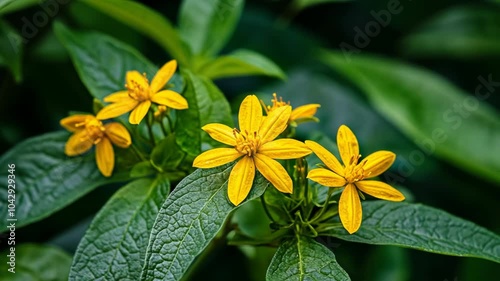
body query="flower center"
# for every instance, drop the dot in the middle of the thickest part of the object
(247, 143)
(355, 172)
(276, 103)
(137, 91)
(94, 128)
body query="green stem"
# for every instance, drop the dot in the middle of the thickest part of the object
(325, 206)
(163, 128)
(150, 129)
(263, 201)
(170, 126)
(138, 153)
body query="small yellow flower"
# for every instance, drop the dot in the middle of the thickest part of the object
(88, 130)
(255, 148)
(352, 175)
(139, 95)
(299, 115)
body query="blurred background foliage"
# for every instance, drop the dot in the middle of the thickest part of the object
(456, 40)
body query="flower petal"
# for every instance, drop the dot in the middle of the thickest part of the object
(284, 149)
(348, 145)
(350, 209)
(105, 157)
(70, 123)
(274, 123)
(78, 143)
(304, 111)
(380, 190)
(163, 75)
(135, 79)
(216, 157)
(116, 109)
(250, 114)
(241, 180)
(326, 177)
(274, 172)
(121, 96)
(118, 134)
(378, 162)
(326, 157)
(171, 99)
(221, 133)
(139, 112)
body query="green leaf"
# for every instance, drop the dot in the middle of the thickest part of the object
(423, 228)
(147, 21)
(115, 244)
(166, 155)
(46, 179)
(241, 63)
(455, 126)
(101, 61)
(11, 49)
(464, 32)
(207, 26)
(35, 262)
(302, 258)
(190, 218)
(207, 104)
(8, 6)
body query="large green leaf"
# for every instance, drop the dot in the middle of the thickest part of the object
(11, 49)
(206, 26)
(35, 262)
(115, 243)
(423, 228)
(102, 61)
(207, 104)
(7, 6)
(460, 32)
(455, 126)
(240, 63)
(302, 258)
(190, 218)
(145, 20)
(46, 179)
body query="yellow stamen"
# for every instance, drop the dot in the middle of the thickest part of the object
(136, 91)
(246, 143)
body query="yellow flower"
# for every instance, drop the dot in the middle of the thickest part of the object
(299, 115)
(88, 130)
(255, 148)
(352, 175)
(139, 95)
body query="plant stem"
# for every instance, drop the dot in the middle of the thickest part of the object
(325, 206)
(170, 126)
(150, 129)
(137, 152)
(263, 201)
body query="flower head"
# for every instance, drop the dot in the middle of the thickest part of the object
(299, 115)
(140, 94)
(255, 147)
(353, 175)
(88, 131)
